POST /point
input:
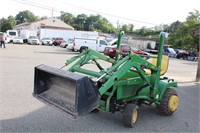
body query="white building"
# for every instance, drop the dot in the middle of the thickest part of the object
(38, 26)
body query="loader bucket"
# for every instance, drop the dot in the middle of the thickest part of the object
(70, 93)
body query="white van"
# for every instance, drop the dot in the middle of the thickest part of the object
(12, 34)
(81, 44)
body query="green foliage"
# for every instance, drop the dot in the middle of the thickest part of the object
(66, 17)
(104, 25)
(92, 23)
(131, 27)
(7, 24)
(79, 21)
(145, 32)
(173, 27)
(125, 28)
(183, 36)
(25, 16)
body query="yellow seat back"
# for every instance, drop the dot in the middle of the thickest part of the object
(164, 65)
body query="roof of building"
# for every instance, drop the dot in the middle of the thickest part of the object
(23, 24)
(49, 22)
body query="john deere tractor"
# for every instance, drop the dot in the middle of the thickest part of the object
(123, 86)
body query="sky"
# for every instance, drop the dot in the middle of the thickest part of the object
(148, 13)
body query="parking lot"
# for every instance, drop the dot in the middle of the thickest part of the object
(20, 112)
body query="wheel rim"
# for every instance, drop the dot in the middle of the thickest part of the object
(135, 116)
(173, 103)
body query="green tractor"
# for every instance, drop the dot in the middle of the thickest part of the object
(124, 86)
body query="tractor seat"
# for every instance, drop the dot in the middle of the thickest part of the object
(164, 65)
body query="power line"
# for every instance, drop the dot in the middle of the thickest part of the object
(27, 2)
(109, 14)
(99, 12)
(54, 9)
(34, 5)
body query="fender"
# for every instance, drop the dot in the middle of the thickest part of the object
(163, 85)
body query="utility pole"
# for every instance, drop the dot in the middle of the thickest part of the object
(52, 13)
(118, 25)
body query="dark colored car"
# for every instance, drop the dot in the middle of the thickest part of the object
(58, 41)
(111, 51)
(181, 54)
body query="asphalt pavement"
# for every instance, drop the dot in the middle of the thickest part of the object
(20, 112)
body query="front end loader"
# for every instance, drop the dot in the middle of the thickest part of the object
(123, 86)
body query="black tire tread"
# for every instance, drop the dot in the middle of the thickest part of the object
(163, 106)
(128, 114)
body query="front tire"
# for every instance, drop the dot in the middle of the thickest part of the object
(169, 102)
(130, 115)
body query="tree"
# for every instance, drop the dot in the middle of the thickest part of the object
(67, 17)
(25, 16)
(182, 36)
(125, 28)
(7, 24)
(91, 22)
(173, 27)
(79, 21)
(105, 26)
(131, 27)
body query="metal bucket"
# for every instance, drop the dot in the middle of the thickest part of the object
(70, 93)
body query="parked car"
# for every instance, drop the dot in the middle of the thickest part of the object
(52, 39)
(140, 52)
(18, 40)
(193, 56)
(33, 40)
(58, 41)
(111, 51)
(47, 41)
(170, 52)
(69, 41)
(181, 54)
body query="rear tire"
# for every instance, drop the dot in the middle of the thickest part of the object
(169, 102)
(130, 115)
